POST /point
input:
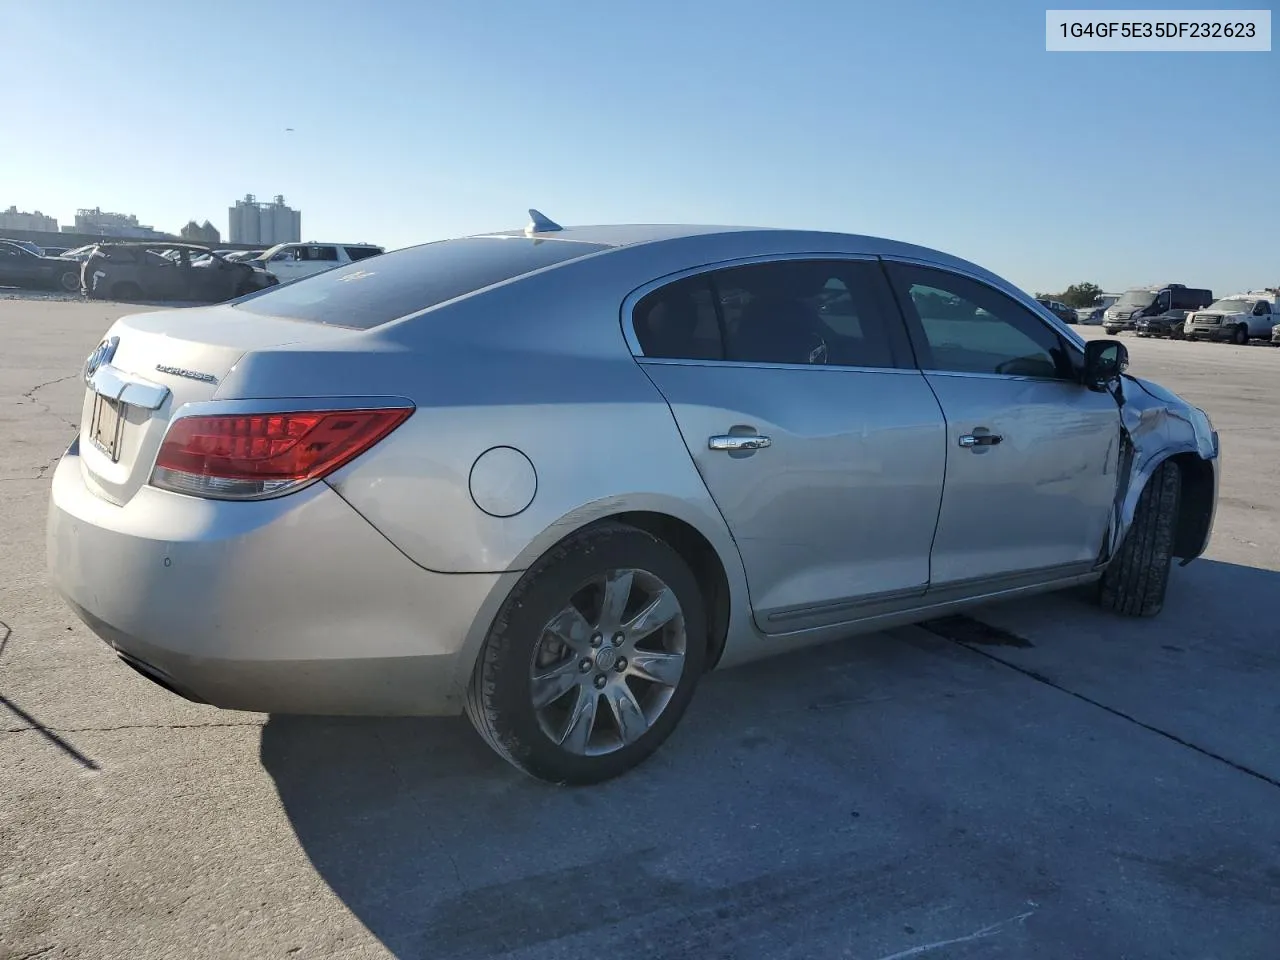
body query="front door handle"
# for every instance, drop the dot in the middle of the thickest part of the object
(980, 440)
(755, 442)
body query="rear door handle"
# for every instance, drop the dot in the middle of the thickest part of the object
(756, 442)
(980, 440)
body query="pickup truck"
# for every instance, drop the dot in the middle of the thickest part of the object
(1239, 318)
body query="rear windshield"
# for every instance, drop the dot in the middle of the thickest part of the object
(409, 280)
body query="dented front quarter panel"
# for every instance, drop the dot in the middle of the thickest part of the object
(1159, 424)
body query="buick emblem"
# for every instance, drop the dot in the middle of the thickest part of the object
(102, 353)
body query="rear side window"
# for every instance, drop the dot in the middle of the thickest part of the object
(409, 280)
(360, 253)
(823, 312)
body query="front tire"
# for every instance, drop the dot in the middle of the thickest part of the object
(1135, 582)
(1242, 335)
(69, 281)
(593, 659)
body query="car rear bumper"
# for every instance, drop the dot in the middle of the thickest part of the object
(293, 605)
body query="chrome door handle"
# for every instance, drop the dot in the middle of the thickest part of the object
(756, 442)
(980, 440)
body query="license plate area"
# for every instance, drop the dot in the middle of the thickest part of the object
(106, 426)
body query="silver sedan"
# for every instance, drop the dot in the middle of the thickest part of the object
(551, 476)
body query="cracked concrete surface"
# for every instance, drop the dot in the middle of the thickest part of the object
(1079, 793)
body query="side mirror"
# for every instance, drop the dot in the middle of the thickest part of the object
(1104, 362)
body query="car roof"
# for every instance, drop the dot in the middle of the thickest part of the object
(706, 243)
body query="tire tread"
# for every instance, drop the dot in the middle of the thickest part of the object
(1135, 583)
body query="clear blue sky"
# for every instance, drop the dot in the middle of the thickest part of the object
(945, 124)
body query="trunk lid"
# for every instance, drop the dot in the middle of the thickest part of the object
(152, 364)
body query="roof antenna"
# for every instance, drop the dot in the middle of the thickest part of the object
(541, 223)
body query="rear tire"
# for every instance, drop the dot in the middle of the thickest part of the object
(545, 739)
(126, 291)
(1135, 583)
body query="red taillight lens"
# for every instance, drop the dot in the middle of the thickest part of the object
(239, 456)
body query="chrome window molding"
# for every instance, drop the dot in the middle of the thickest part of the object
(755, 365)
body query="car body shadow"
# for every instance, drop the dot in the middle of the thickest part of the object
(839, 795)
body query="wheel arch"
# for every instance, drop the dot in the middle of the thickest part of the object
(703, 541)
(1196, 506)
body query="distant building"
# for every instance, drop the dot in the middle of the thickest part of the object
(100, 223)
(14, 219)
(205, 233)
(264, 224)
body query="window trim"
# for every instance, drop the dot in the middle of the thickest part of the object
(1058, 327)
(901, 351)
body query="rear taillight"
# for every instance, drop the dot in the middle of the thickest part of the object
(249, 456)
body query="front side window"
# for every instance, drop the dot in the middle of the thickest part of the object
(361, 253)
(963, 326)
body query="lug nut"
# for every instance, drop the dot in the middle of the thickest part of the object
(596, 639)
(617, 639)
(621, 664)
(601, 680)
(585, 665)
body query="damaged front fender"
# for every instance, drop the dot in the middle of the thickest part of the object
(1158, 425)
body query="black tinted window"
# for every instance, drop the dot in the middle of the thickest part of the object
(361, 253)
(409, 280)
(807, 311)
(967, 327)
(679, 322)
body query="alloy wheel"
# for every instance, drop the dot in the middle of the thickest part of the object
(606, 666)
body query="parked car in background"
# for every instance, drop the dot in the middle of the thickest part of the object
(1238, 318)
(1275, 335)
(236, 256)
(348, 495)
(1058, 309)
(26, 245)
(1139, 302)
(159, 270)
(1168, 324)
(293, 261)
(19, 267)
(1090, 316)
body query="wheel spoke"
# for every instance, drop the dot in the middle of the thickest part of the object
(571, 627)
(617, 591)
(552, 684)
(655, 615)
(626, 711)
(663, 668)
(577, 732)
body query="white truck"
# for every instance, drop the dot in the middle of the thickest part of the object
(292, 261)
(1239, 318)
